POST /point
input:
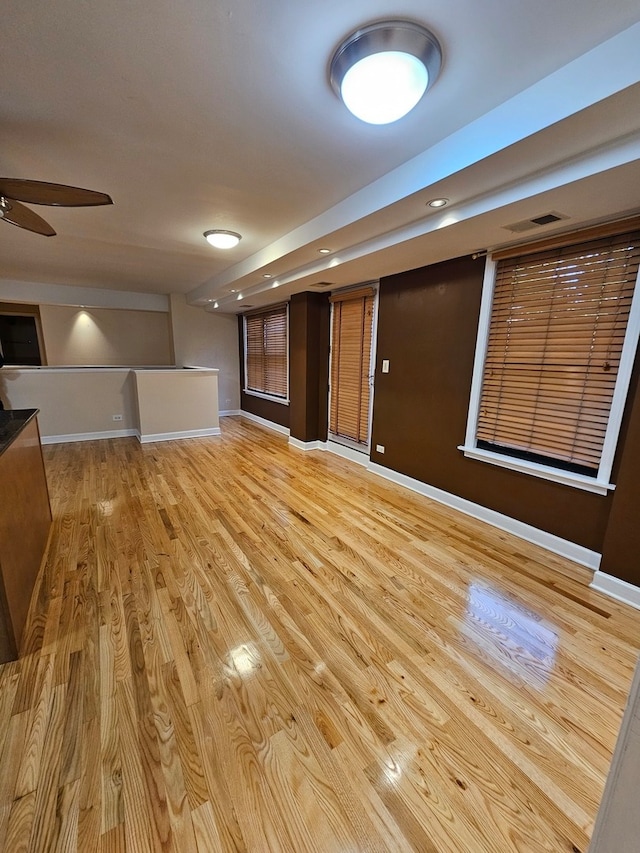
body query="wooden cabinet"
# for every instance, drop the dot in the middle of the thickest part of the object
(25, 520)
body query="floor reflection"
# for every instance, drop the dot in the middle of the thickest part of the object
(510, 635)
(245, 659)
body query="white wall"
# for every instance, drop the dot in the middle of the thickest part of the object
(106, 336)
(617, 828)
(176, 403)
(73, 401)
(205, 339)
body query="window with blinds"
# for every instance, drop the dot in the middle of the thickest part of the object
(266, 352)
(557, 330)
(351, 336)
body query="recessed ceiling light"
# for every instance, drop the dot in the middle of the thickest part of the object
(222, 239)
(233, 290)
(382, 70)
(438, 202)
(266, 275)
(325, 251)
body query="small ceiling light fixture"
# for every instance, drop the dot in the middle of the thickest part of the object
(382, 70)
(438, 202)
(266, 275)
(325, 251)
(222, 239)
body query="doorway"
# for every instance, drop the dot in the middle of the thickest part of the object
(352, 367)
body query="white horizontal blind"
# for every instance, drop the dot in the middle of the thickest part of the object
(558, 322)
(266, 351)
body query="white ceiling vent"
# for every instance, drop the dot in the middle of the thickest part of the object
(536, 222)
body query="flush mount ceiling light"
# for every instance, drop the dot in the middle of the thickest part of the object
(382, 70)
(325, 251)
(222, 239)
(438, 202)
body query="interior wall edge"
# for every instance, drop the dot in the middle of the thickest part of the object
(35, 292)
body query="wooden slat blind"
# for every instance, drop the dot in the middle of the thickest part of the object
(266, 351)
(352, 327)
(558, 323)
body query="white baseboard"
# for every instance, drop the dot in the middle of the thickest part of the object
(265, 423)
(172, 436)
(88, 436)
(577, 553)
(307, 445)
(358, 456)
(225, 413)
(616, 588)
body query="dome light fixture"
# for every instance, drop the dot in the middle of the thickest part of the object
(382, 70)
(222, 239)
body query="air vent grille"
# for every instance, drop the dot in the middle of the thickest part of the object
(536, 222)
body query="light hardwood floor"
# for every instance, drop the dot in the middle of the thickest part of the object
(237, 646)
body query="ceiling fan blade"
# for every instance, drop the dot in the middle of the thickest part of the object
(58, 195)
(21, 216)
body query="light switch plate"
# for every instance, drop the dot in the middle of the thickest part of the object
(385, 365)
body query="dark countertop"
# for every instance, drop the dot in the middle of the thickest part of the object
(12, 421)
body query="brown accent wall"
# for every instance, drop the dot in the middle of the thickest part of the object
(278, 413)
(308, 365)
(427, 326)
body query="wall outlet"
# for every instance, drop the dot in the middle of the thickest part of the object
(117, 417)
(379, 448)
(385, 365)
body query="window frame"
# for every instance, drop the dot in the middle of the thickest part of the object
(251, 391)
(599, 484)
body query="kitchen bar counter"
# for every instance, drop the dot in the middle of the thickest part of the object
(25, 520)
(11, 423)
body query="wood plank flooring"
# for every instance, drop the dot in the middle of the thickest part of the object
(237, 646)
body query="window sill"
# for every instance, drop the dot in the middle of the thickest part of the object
(565, 478)
(283, 400)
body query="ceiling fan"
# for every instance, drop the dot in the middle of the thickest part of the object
(16, 190)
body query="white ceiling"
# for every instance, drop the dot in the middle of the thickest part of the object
(202, 114)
